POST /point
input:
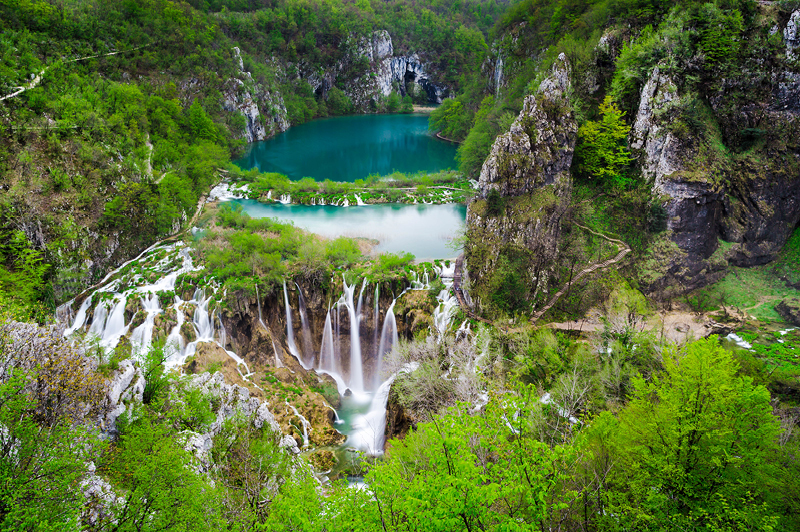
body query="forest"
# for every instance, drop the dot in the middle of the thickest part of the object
(505, 415)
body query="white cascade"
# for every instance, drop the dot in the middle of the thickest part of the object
(278, 363)
(327, 361)
(142, 336)
(356, 371)
(258, 302)
(305, 329)
(375, 316)
(290, 330)
(80, 318)
(202, 321)
(175, 343)
(115, 324)
(388, 341)
(99, 319)
(303, 421)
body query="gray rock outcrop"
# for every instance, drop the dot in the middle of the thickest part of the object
(789, 309)
(244, 96)
(791, 35)
(233, 400)
(537, 150)
(529, 167)
(755, 207)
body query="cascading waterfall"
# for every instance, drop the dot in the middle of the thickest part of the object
(303, 421)
(175, 343)
(356, 372)
(375, 316)
(327, 361)
(308, 345)
(258, 302)
(115, 324)
(80, 318)
(278, 363)
(99, 319)
(142, 336)
(290, 330)
(108, 324)
(388, 341)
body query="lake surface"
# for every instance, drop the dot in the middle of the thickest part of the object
(424, 230)
(347, 148)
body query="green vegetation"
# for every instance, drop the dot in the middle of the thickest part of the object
(602, 151)
(752, 291)
(441, 187)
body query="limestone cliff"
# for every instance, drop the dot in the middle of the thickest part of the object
(529, 170)
(385, 72)
(706, 175)
(244, 96)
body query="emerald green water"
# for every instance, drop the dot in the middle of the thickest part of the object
(347, 148)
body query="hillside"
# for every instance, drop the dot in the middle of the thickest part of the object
(615, 347)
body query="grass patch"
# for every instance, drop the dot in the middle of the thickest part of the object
(754, 291)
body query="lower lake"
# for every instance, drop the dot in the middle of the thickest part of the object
(423, 230)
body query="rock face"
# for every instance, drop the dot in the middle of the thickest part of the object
(791, 35)
(529, 168)
(789, 309)
(233, 400)
(752, 206)
(386, 71)
(244, 96)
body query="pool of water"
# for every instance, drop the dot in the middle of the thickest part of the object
(426, 231)
(347, 148)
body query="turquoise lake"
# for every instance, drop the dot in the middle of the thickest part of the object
(423, 230)
(347, 148)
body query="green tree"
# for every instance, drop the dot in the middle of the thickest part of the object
(602, 149)
(692, 448)
(393, 103)
(200, 124)
(40, 464)
(156, 479)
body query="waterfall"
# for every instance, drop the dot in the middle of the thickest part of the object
(142, 336)
(337, 347)
(202, 321)
(308, 344)
(375, 316)
(278, 363)
(388, 341)
(174, 344)
(303, 421)
(448, 303)
(80, 318)
(115, 324)
(258, 302)
(99, 319)
(326, 353)
(356, 372)
(290, 330)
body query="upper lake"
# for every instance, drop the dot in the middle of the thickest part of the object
(347, 148)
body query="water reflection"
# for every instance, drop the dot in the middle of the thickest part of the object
(424, 230)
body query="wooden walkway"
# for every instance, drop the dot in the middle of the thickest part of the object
(624, 249)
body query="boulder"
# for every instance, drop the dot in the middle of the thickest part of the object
(789, 309)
